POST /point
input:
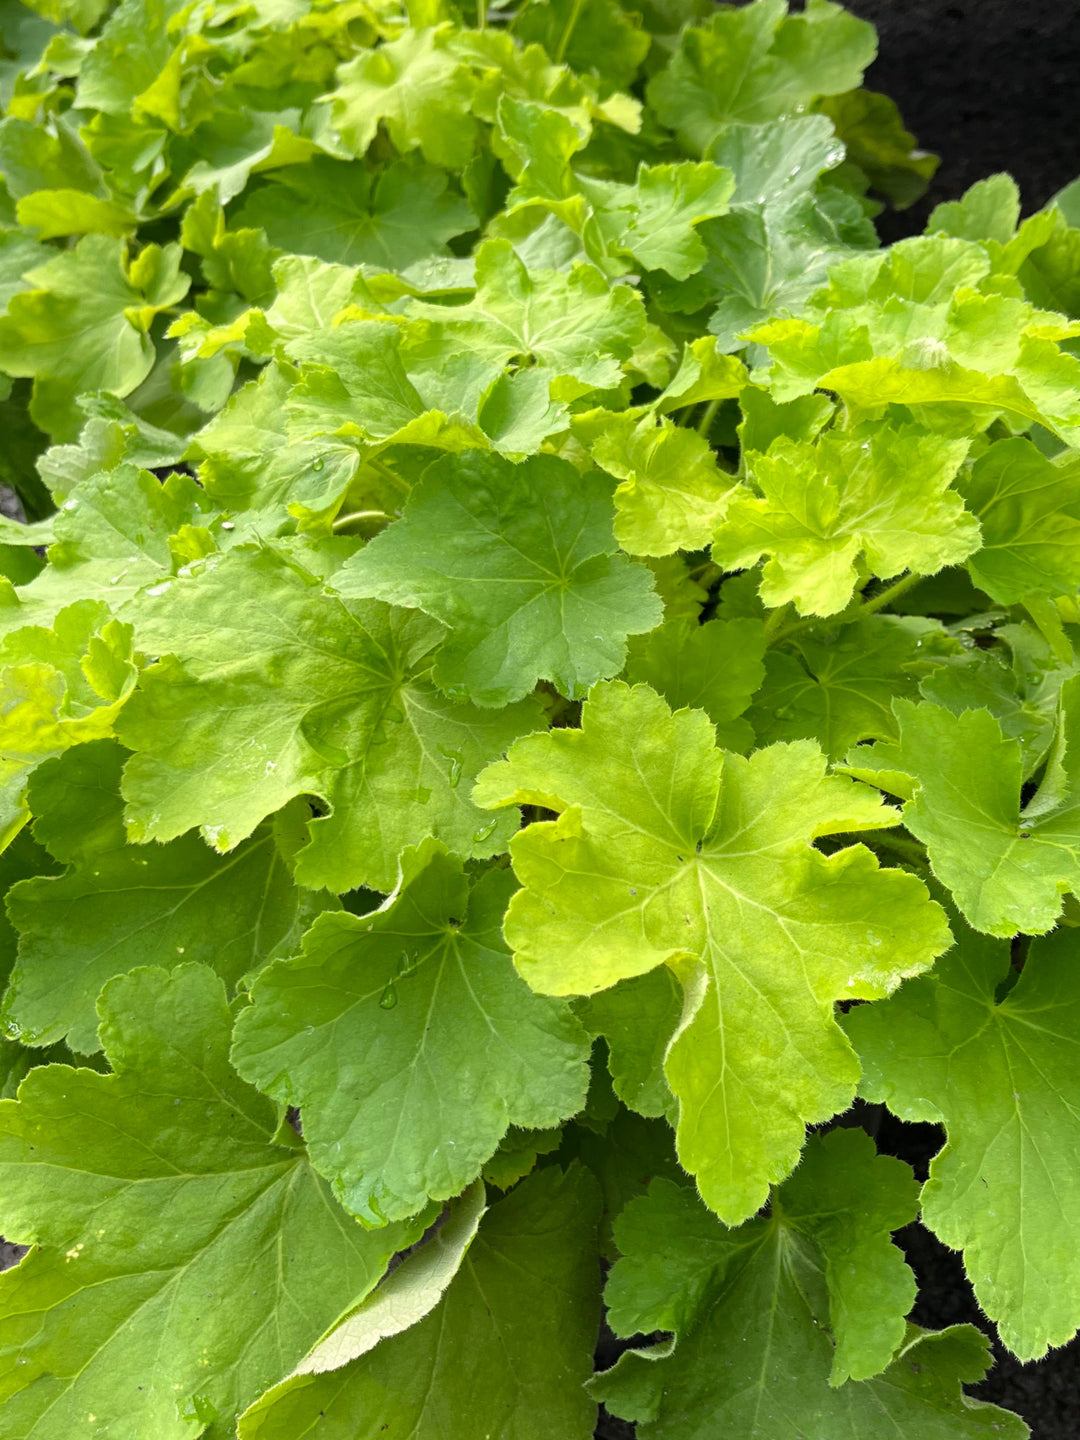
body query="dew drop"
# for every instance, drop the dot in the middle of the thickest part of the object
(484, 832)
(457, 762)
(318, 463)
(388, 998)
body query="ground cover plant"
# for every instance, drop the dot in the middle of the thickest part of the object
(541, 664)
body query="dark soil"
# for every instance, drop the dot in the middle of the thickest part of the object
(988, 85)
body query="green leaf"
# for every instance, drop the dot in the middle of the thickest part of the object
(873, 136)
(655, 220)
(120, 906)
(175, 1229)
(340, 212)
(408, 1293)
(716, 667)
(668, 850)
(878, 496)
(58, 688)
(516, 1327)
(408, 1041)
(519, 563)
(112, 539)
(637, 1018)
(595, 36)
(757, 63)
(1001, 1075)
(576, 326)
(773, 1299)
(776, 246)
(1028, 509)
(1007, 866)
(83, 325)
(279, 689)
(838, 686)
(419, 88)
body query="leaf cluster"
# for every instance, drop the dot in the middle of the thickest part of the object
(542, 665)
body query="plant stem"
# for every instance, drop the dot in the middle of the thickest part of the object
(890, 593)
(343, 520)
(704, 425)
(775, 633)
(901, 845)
(481, 14)
(568, 31)
(381, 467)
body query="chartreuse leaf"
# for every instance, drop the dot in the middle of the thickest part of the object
(270, 688)
(1002, 1078)
(83, 325)
(651, 223)
(764, 1322)
(668, 850)
(120, 906)
(519, 562)
(419, 87)
(175, 1229)
(1007, 864)
(716, 667)
(510, 1340)
(1029, 513)
(248, 461)
(673, 493)
(756, 63)
(409, 1042)
(341, 212)
(837, 687)
(58, 688)
(922, 324)
(878, 496)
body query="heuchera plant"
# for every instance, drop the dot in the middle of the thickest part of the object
(543, 664)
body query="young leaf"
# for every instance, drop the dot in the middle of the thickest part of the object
(668, 850)
(84, 325)
(879, 495)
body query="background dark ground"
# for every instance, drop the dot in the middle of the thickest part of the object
(988, 85)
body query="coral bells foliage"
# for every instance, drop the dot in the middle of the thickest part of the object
(541, 665)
